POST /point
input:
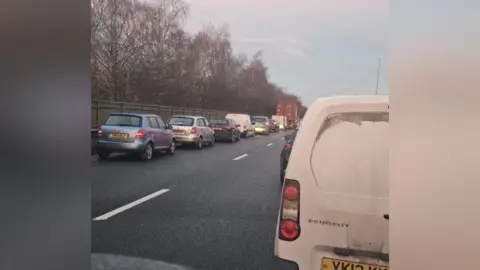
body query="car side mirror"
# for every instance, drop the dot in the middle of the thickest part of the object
(287, 137)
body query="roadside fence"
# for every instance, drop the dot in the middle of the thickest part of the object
(101, 110)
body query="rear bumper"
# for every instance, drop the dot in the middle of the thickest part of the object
(186, 139)
(120, 147)
(223, 136)
(261, 130)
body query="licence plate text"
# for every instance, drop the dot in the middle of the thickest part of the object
(118, 135)
(333, 264)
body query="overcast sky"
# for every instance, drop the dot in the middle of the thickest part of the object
(313, 48)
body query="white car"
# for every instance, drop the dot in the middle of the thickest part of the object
(334, 210)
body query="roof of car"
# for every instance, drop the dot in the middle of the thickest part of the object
(187, 116)
(134, 114)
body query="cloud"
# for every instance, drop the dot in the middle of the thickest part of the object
(287, 46)
(312, 47)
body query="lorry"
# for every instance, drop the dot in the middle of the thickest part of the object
(289, 109)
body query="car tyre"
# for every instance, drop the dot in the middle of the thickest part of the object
(173, 146)
(212, 143)
(103, 155)
(199, 143)
(234, 138)
(147, 154)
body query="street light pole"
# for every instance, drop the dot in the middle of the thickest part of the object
(378, 76)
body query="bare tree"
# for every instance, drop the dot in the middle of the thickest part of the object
(141, 53)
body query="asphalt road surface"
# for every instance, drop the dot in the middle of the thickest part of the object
(214, 208)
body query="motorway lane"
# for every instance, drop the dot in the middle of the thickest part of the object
(124, 179)
(220, 213)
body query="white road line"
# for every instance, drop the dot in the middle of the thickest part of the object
(270, 144)
(130, 205)
(240, 157)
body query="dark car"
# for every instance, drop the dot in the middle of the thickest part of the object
(274, 127)
(141, 134)
(285, 154)
(225, 130)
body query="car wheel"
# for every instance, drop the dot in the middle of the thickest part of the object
(199, 143)
(102, 155)
(234, 138)
(172, 148)
(212, 143)
(147, 153)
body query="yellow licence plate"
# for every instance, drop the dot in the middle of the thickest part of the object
(334, 264)
(119, 135)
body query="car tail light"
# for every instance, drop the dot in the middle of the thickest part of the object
(287, 146)
(140, 134)
(194, 130)
(289, 227)
(227, 127)
(100, 131)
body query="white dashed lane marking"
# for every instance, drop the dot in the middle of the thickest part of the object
(270, 144)
(130, 205)
(240, 157)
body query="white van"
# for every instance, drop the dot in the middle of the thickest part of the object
(246, 127)
(334, 211)
(281, 120)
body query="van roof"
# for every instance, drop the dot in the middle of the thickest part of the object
(312, 122)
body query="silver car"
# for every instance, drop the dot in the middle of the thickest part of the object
(192, 130)
(142, 134)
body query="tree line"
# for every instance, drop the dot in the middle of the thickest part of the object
(141, 53)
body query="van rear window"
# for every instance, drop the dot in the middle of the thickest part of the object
(350, 154)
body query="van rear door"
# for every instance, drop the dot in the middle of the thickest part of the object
(349, 162)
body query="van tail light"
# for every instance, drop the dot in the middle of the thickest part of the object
(194, 130)
(289, 226)
(140, 134)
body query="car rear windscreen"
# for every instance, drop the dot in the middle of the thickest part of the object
(181, 121)
(350, 155)
(261, 120)
(218, 122)
(124, 120)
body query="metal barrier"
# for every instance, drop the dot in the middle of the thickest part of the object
(102, 109)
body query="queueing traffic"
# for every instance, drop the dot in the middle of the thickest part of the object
(146, 134)
(333, 170)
